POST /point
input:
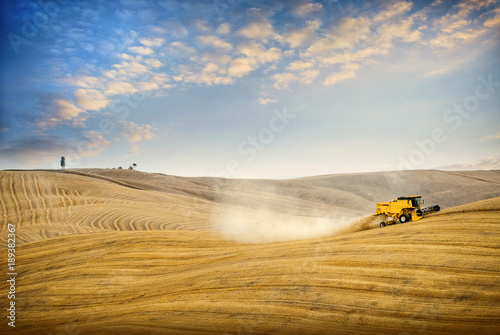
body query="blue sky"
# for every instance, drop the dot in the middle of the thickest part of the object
(251, 89)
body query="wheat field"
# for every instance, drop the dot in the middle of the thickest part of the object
(103, 255)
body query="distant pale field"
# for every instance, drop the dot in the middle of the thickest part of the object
(100, 256)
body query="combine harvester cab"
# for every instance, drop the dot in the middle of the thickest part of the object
(403, 209)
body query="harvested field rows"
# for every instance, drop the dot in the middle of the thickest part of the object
(437, 275)
(45, 204)
(98, 257)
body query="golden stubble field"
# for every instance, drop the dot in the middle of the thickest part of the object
(101, 256)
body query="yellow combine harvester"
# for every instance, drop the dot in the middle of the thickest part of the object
(404, 209)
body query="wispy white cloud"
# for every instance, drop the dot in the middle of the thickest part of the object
(214, 41)
(257, 53)
(172, 28)
(152, 42)
(299, 65)
(91, 99)
(492, 18)
(57, 111)
(216, 69)
(210, 74)
(135, 133)
(224, 28)
(88, 82)
(298, 37)
(182, 47)
(307, 8)
(66, 110)
(92, 143)
(153, 62)
(200, 25)
(448, 66)
(257, 30)
(265, 101)
(401, 30)
(392, 10)
(240, 67)
(346, 34)
(120, 87)
(349, 43)
(132, 67)
(361, 55)
(308, 76)
(347, 71)
(283, 80)
(458, 26)
(141, 50)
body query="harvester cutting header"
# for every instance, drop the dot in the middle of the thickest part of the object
(404, 209)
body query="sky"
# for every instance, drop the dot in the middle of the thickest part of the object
(250, 89)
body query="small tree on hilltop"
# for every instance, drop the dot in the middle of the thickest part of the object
(134, 165)
(63, 162)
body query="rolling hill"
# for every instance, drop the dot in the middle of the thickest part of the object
(53, 203)
(109, 251)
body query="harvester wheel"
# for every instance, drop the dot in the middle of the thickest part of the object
(382, 224)
(404, 218)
